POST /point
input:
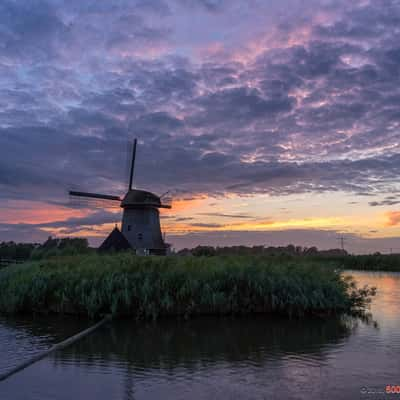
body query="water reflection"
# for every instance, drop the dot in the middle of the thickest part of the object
(170, 345)
(235, 357)
(25, 336)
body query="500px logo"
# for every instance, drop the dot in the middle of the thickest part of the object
(389, 389)
(392, 389)
(371, 390)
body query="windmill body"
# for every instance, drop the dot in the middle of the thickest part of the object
(141, 221)
(141, 229)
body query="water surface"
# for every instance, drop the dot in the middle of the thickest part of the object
(218, 358)
(23, 337)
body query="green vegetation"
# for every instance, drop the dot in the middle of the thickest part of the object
(18, 252)
(372, 262)
(149, 287)
(270, 251)
(54, 247)
(337, 257)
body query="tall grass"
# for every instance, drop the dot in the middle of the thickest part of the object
(373, 262)
(149, 287)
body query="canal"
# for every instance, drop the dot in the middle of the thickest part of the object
(211, 358)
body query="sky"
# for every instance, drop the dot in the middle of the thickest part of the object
(270, 122)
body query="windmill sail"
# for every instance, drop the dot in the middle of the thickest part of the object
(94, 195)
(132, 165)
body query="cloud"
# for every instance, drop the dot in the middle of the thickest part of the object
(195, 112)
(393, 218)
(216, 214)
(292, 102)
(205, 225)
(238, 106)
(208, 5)
(388, 201)
(97, 218)
(30, 30)
(70, 226)
(20, 233)
(182, 219)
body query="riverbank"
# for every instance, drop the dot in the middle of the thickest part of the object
(370, 262)
(150, 287)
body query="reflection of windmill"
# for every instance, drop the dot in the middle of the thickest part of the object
(141, 229)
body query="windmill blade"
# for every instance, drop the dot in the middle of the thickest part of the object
(132, 164)
(164, 194)
(166, 202)
(94, 195)
(88, 202)
(167, 198)
(93, 200)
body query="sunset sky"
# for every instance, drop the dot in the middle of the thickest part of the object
(271, 122)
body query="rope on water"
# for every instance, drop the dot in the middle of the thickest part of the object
(58, 346)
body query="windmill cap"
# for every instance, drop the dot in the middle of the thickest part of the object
(138, 198)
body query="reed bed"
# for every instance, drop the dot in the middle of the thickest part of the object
(150, 287)
(372, 262)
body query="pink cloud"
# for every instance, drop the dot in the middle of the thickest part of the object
(393, 218)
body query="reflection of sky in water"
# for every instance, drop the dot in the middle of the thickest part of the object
(250, 358)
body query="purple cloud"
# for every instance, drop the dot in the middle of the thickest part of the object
(267, 97)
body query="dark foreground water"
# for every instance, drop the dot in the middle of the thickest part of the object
(213, 358)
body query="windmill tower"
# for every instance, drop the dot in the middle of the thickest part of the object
(141, 230)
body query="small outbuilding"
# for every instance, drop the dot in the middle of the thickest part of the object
(115, 241)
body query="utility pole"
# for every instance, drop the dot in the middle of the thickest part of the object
(342, 240)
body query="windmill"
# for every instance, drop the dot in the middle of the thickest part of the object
(141, 230)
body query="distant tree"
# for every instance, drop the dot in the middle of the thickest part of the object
(61, 247)
(184, 252)
(291, 249)
(204, 251)
(311, 251)
(299, 250)
(16, 251)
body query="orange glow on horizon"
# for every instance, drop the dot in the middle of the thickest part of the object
(208, 214)
(28, 212)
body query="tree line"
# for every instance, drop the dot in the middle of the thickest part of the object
(290, 250)
(70, 246)
(36, 251)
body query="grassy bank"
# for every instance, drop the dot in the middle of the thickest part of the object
(378, 262)
(149, 287)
